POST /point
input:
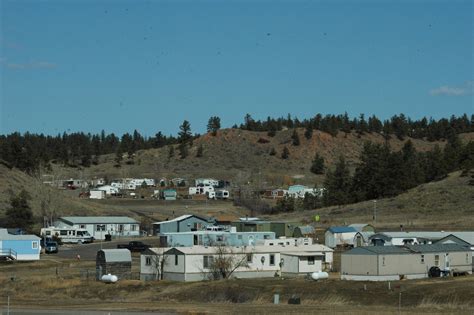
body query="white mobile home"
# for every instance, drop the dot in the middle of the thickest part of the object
(195, 263)
(99, 227)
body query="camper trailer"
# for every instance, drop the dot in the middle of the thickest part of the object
(67, 235)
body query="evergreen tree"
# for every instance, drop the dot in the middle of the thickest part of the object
(308, 133)
(19, 214)
(317, 166)
(184, 134)
(171, 152)
(200, 151)
(338, 184)
(434, 165)
(285, 154)
(183, 150)
(295, 138)
(118, 157)
(452, 151)
(272, 152)
(213, 125)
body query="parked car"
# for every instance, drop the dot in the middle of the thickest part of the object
(134, 246)
(51, 247)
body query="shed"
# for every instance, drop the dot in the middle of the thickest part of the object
(303, 231)
(339, 236)
(117, 262)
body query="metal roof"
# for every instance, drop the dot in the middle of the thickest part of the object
(467, 236)
(99, 220)
(117, 255)
(312, 249)
(181, 218)
(5, 236)
(341, 229)
(406, 249)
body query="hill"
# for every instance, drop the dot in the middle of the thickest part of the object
(241, 155)
(447, 204)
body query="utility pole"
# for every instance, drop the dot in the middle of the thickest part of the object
(375, 211)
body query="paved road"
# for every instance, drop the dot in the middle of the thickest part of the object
(89, 251)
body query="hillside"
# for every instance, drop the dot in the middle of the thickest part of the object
(443, 205)
(240, 155)
(237, 155)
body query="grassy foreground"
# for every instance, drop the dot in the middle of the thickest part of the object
(61, 284)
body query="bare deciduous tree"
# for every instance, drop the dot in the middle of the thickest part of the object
(225, 261)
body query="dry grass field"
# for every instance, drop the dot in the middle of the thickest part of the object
(40, 285)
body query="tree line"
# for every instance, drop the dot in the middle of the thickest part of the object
(30, 151)
(398, 125)
(383, 173)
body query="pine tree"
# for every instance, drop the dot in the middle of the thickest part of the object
(317, 166)
(185, 132)
(285, 154)
(19, 214)
(338, 184)
(295, 138)
(213, 125)
(183, 150)
(272, 152)
(308, 133)
(200, 151)
(171, 152)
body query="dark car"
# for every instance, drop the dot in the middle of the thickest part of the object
(51, 247)
(134, 246)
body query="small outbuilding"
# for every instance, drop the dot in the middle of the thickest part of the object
(184, 223)
(117, 262)
(339, 236)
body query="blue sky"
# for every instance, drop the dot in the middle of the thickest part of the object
(148, 65)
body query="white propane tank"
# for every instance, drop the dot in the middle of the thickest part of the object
(319, 275)
(109, 278)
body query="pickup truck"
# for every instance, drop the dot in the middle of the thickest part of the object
(134, 246)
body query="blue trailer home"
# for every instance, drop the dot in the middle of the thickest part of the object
(213, 238)
(184, 223)
(19, 247)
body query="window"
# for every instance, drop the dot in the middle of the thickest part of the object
(220, 238)
(271, 244)
(422, 259)
(249, 258)
(383, 260)
(148, 261)
(63, 232)
(266, 237)
(310, 260)
(239, 237)
(82, 226)
(272, 259)
(467, 258)
(100, 227)
(120, 227)
(175, 260)
(34, 244)
(436, 260)
(208, 261)
(133, 227)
